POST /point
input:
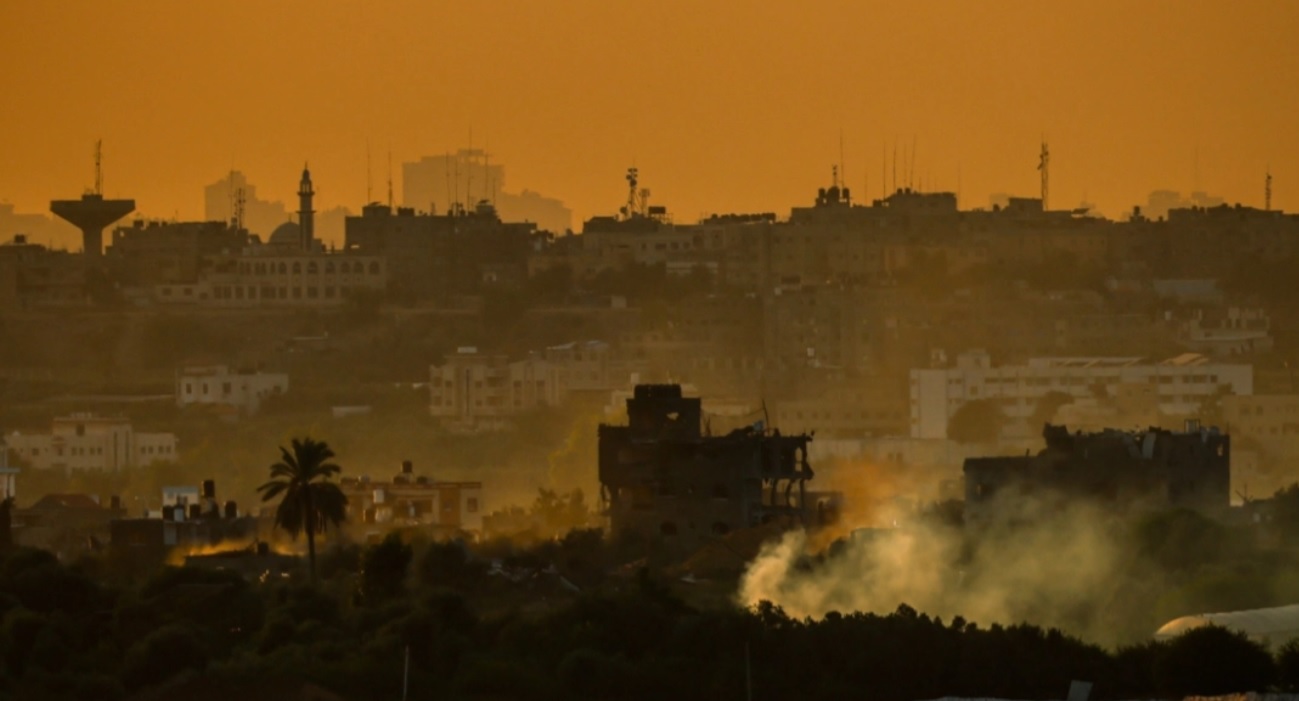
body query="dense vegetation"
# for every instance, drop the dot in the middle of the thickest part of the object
(499, 622)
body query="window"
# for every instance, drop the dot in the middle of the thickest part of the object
(297, 267)
(471, 505)
(374, 268)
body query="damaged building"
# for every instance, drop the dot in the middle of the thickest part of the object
(1123, 470)
(665, 480)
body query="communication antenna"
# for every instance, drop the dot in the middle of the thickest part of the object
(99, 172)
(487, 171)
(1044, 165)
(633, 178)
(369, 180)
(842, 173)
(446, 167)
(389, 178)
(455, 179)
(1267, 190)
(895, 166)
(911, 170)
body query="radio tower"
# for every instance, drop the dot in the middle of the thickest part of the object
(633, 177)
(1044, 165)
(1267, 191)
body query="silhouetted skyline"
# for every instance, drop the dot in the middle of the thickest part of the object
(721, 110)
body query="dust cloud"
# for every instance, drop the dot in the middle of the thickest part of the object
(1033, 559)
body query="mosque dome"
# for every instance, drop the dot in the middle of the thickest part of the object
(286, 234)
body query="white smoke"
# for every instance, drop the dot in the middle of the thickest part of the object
(1049, 564)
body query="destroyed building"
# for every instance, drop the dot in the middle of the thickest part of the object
(1120, 470)
(666, 481)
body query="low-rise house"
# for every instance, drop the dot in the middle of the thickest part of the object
(414, 500)
(219, 385)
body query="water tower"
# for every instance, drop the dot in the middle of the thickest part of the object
(92, 213)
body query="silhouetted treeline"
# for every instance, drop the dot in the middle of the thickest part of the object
(513, 627)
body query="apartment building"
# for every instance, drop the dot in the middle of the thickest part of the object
(1184, 384)
(84, 441)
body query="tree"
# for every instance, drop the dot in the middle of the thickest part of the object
(1046, 407)
(977, 421)
(384, 567)
(311, 502)
(1213, 661)
(1285, 510)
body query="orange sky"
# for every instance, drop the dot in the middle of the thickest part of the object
(723, 105)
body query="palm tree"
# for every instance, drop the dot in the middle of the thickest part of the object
(311, 502)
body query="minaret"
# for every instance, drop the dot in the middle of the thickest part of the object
(306, 216)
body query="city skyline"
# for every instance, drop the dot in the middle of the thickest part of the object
(720, 111)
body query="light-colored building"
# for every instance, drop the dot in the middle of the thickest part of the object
(281, 278)
(842, 413)
(413, 500)
(473, 391)
(218, 385)
(592, 366)
(88, 442)
(1184, 384)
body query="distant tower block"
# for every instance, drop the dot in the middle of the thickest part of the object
(92, 213)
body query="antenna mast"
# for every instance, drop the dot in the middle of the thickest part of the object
(632, 179)
(99, 172)
(1267, 190)
(1044, 165)
(842, 173)
(389, 178)
(369, 180)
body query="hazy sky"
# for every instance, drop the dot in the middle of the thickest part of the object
(723, 105)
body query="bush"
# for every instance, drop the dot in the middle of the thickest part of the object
(163, 655)
(1212, 661)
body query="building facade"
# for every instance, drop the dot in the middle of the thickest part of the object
(218, 385)
(89, 442)
(408, 499)
(1184, 385)
(473, 391)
